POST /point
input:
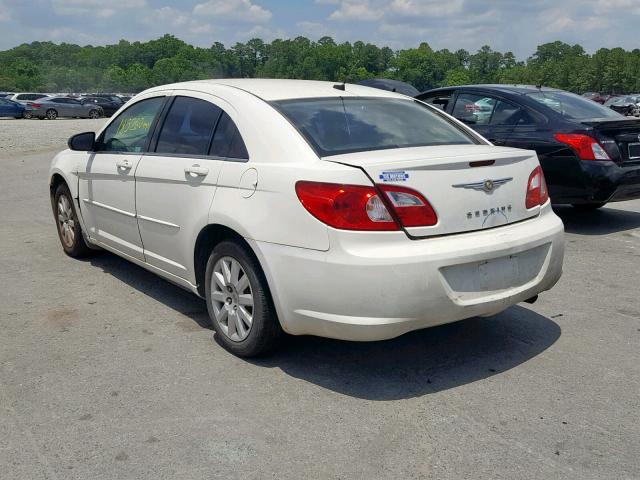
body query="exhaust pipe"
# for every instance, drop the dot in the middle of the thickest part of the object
(532, 299)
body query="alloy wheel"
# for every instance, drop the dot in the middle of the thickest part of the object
(66, 221)
(52, 114)
(232, 299)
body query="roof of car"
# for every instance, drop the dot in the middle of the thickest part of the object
(514, 88)
(283, 89)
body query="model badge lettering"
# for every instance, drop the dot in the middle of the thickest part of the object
(394, 176)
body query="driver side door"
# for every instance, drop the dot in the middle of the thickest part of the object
(107, 178)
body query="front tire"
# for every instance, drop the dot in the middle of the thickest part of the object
(239, 303)
(588, 207)
(69, 229)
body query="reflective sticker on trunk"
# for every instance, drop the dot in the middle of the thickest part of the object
(400, 176)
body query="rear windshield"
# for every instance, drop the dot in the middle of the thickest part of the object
(337, 125)
(573, 106)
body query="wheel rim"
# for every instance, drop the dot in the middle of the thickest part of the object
(27, 115)
(93, 114)
(51, 115)
(232, 299)
(66, 222)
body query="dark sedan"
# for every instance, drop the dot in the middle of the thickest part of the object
(9, 108)
(108, 106)
(628, 105)
(590, 154)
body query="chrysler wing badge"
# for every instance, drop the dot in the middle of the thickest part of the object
(488, 185)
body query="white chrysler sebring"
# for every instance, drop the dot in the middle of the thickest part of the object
(310, 208)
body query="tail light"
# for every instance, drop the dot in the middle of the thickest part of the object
(537, 193)
(36, 105)
(586, 147)
(358, 207)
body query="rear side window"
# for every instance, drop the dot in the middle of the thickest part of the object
(440, 100)
(573, 106)
(227, 141)
(188, 127)
(337, 125)
(129, 132)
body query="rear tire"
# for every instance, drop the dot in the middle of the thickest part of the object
(68, 226)
(94, 114)
(239, 302)
(588, 207)
(51, 114)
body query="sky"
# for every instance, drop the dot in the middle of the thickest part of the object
(505, 25)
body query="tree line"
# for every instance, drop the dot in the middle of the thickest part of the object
(134, 66)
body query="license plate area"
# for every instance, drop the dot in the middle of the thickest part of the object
(634, 151)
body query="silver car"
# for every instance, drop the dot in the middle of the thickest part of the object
(54, 107)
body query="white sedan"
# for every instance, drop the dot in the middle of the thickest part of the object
(310, 208)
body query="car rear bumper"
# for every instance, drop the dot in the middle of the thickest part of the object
(372, 290)
(595, 182)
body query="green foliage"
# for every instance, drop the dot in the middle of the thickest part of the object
(134, 66)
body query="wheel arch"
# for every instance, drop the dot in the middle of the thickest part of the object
(210, 236)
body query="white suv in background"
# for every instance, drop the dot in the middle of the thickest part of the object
(310, 208)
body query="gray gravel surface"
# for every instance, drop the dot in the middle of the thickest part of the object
(22, 136)
(108, 372)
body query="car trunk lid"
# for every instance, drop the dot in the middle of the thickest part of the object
(619, 137)
(470, 187)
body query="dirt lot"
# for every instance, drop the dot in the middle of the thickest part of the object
(108, 372)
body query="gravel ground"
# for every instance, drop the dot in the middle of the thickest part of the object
(109, 372)
(22, 136)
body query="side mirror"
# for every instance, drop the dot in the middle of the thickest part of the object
(82, 142)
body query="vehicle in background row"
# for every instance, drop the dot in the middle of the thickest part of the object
(598, 97)
(628, 105)
(108, 106)
(311, 208)
(9, 108)
(590, 154)
(27, 97)
(52, 108)
(391, 86)
(109, 96)
(5, 94)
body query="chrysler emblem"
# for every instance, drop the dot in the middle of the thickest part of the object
(488, 185)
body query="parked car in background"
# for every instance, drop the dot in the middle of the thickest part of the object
(5, 94)
(391, 86)
(27, 97)
(109, 107)
(9, 108)
(292, 205)
(590, 154)
(52, 108)
(125, 98)
(109, 96)
(628, 105)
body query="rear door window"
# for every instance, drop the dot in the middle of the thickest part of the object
(188, 127)
(130, 131)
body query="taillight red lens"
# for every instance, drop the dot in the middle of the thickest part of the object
(347, 207)
(359, 207)
(36, 105)
(537, 193)
(412, 209)
(586, 147)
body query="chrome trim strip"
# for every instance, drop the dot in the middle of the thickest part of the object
(107, 207)
(159, 222)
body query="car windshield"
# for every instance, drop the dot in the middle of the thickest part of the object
(573, 106)
(336, 125)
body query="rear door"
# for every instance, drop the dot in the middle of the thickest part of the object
(107, 177)
(5, 108)
(177, 180)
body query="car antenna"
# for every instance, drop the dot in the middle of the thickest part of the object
(340, 86)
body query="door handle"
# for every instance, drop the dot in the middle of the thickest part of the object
(196, 170)
(124, 163)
